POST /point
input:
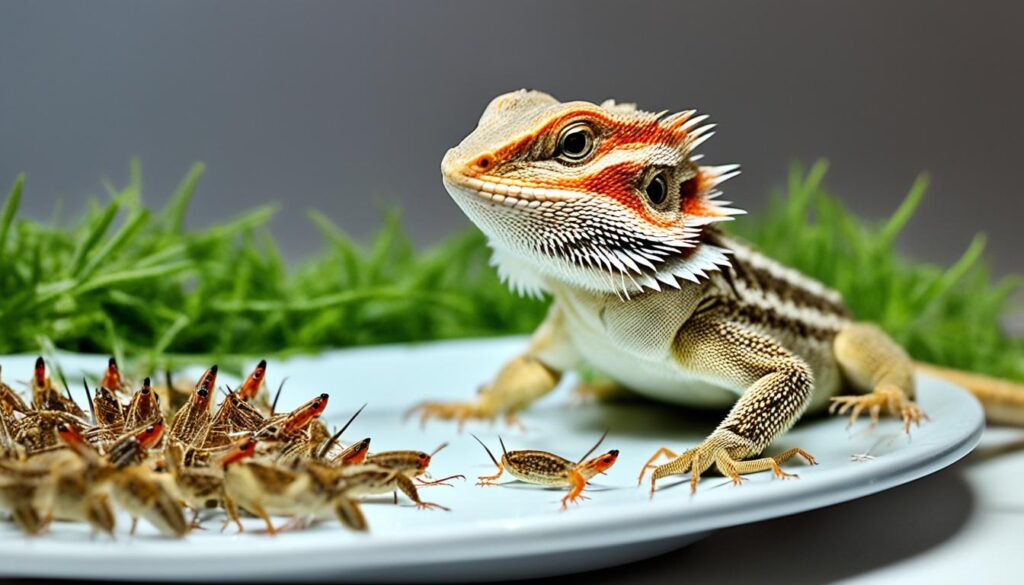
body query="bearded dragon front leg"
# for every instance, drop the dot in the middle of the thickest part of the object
(778, 386)
(521, 381)
(873, 363)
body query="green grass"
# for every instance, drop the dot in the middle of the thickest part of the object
(132, 281)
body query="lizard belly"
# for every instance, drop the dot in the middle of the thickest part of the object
(653, 378)
(632, 345)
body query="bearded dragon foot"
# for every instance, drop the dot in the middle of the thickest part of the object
(720, 451)
(889, 397)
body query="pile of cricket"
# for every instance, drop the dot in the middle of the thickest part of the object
(158, 451)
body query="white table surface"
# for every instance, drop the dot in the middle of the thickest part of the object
(964, 524)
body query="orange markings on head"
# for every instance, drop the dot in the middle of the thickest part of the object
(358, 454)
(112, 377)
(521, 145)
(616, 181)
(241, 450)
(40, 372)
(70, 434)
(143, 405)
(604, 462)
(150, 435)
(251, 386)
(305, 414)
(204, 389)
(483, 163)
(639, 134)
(690, 197)
(424, 460)
(619, 182)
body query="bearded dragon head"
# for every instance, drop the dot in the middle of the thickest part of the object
(604, 197)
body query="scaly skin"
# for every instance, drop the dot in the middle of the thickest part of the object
(604, 208)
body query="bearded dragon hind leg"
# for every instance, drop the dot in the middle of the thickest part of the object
(874, 364)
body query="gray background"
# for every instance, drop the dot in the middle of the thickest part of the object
(346, 106)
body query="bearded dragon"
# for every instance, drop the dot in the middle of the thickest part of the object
(605, 209)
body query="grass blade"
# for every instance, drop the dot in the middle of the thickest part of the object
(177, 207)
(9, 211)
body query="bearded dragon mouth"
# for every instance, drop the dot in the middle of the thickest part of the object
(508, 193)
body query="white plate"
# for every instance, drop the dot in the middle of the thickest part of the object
(509, 531)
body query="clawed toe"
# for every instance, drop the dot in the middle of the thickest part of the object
(891, 398)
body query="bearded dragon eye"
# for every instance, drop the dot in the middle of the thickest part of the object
(576, 142)
(657, 190)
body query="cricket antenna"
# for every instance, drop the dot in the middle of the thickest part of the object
(489, 454)
(273, 406)
(503, 451)
(596, 445)
(334, 438)
(88, 396)
(439, 447)
(63, 380)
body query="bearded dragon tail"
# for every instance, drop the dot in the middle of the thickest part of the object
(1003, 400)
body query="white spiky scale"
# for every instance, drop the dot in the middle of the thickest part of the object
(691, 122)
(718, 180)
(700, 140)
(703, 130)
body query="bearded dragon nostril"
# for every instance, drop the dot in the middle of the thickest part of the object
(483, 163)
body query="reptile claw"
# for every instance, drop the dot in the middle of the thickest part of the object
(889, 397)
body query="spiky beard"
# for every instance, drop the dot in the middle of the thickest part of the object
(592, 243)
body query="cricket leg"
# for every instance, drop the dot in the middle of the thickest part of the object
(232, 514)
(409, 489)
(875, 365)
(662, 452)
(349, 513)
(576, 493)
(263, 515)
